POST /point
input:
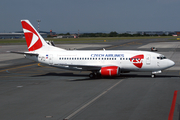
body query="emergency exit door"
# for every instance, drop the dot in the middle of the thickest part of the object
(50, 59)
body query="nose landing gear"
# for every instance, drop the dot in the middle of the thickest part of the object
(153, 75)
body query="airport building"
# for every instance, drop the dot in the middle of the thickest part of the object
(178, 33)
(11, 35)
(17, 35)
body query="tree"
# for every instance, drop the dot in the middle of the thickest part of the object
(113, 34)
(67, 33)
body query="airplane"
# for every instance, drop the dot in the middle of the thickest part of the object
(99, 62)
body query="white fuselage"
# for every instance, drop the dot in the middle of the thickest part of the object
(127, 60)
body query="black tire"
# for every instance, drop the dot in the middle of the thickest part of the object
(92, 75)
(153, 75)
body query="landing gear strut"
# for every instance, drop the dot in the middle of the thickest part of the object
(94, 75)
(153, 75)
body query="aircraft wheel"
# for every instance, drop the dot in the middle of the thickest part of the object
(92, 75)
(153, 75)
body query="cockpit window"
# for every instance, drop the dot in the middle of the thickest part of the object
(161, 57)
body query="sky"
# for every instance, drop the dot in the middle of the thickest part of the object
(91, 15)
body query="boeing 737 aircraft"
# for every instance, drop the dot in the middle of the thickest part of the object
(99, 62)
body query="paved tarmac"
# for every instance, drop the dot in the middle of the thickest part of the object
(33, 91)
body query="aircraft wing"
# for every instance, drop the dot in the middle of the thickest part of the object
(80, 67)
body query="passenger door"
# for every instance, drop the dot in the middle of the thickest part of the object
(148, 59)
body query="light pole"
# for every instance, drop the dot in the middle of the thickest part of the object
(38, 24)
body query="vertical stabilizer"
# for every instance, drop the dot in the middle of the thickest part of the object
(33, 39)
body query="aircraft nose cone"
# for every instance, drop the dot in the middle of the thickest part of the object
(171, 63)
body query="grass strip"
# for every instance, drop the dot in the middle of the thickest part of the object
(83, 39)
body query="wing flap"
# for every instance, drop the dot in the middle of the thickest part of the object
(80, 67)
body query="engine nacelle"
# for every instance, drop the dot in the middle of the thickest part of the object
(110, 71)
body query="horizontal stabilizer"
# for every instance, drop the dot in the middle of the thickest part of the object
(27, 53)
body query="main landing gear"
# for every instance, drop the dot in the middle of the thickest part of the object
(94, 75)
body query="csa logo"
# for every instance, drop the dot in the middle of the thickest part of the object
(32, 38)
(137, 60)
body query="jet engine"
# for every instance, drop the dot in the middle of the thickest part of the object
(110, 71)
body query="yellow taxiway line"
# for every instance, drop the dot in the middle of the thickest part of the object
(18, 67)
